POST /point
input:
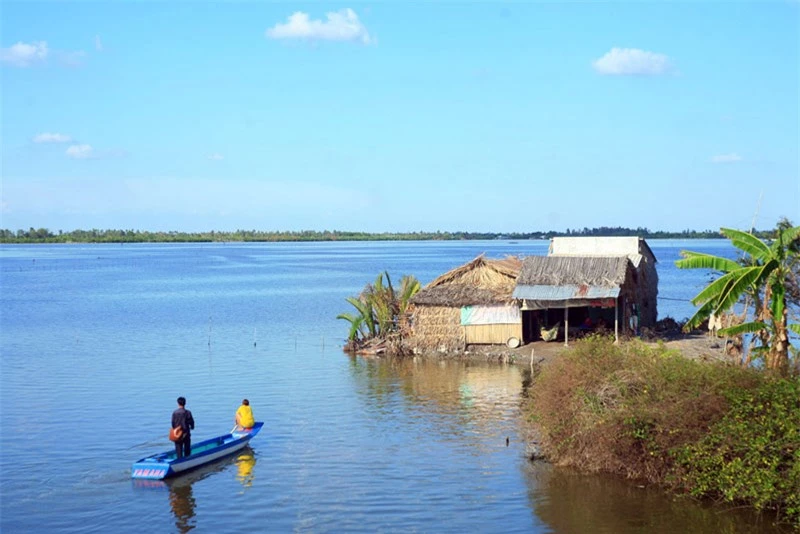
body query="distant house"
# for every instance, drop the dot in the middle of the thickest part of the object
(589, 281)
(471, 304)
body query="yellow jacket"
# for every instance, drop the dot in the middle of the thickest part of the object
(244, 416)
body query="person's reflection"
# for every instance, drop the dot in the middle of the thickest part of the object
(182, 503)
(245, 463)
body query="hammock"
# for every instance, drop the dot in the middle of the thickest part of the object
(551, 334)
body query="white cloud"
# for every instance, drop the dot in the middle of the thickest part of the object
(216, 156)
(80, 151)
(51, 138)
(98, 44)
(632, 61)
(24, 54)
(342, 25)
(727, 158)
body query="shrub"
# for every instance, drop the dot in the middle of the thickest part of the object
(649, 413)
(753, 454)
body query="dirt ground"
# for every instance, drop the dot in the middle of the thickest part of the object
(697, 346)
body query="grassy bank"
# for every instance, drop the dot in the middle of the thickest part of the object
(645, 413)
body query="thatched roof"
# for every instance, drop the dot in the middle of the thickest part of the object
(481, 281)
(573, 270)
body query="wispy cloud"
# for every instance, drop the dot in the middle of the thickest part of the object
(24, 54)
(727, 158)
(632, 62)
(98, 44)
(37, 52)
(80, 151)
(216, 156)
(342, 25)
(51, 138)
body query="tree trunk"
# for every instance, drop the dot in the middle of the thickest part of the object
(778, 354)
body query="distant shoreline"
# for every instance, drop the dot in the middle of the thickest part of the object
(45, 236)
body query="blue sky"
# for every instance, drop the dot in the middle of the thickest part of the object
(390, 116)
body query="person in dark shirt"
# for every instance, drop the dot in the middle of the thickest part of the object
(183, 418)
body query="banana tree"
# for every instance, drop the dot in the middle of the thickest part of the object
(766, 272)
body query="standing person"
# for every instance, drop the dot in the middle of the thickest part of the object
(183, 418)
(244, 415)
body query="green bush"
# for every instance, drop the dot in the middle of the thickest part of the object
(753, 454)
(648, 413)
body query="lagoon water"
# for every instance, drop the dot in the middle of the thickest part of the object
(97, 342)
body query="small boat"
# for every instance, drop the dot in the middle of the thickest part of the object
(166, 464)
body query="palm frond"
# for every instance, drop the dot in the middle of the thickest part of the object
(355, 324)
(365, 309)
(747, 243)
(744, 328)
(745, 279)
(409, 286)
(785, 238)
(700, 315)
(698, 260)
(716, 288)
(795, 327)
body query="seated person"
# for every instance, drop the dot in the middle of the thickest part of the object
(587, 324)
(244, 415)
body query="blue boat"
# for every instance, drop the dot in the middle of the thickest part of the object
(166, 464)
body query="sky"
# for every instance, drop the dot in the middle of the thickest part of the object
(399, 116)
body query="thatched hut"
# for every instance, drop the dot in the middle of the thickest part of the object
(472, 304)
(586, 283)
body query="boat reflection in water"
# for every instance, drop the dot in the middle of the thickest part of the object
(181, 497)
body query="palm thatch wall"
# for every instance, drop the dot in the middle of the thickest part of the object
(436, 317)
(437, 328)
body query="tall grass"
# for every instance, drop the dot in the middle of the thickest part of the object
(650, 414)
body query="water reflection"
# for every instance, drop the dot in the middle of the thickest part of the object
(473, 401)
(572, 502)
(181, 497)
(182, 503)
(245, 463)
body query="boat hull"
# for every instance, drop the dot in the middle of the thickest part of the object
(166, 464)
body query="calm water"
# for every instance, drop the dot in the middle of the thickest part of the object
(98, 340)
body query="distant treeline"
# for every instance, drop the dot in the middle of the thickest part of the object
(43, 235)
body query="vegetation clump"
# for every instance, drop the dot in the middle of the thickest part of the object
(380, 321)
(650, 414)
(752, 454)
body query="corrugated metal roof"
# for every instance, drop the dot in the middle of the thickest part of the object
(601, 246)
(565, 292)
